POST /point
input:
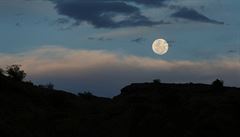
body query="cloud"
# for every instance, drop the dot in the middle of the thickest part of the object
(139, 40)
(62, 21)
(101, 13)
(153, 3)
(193, 15)
(100, 38)
(18, 24)
(105, 73)
(125, 13)
(232, 51)
(124, 32)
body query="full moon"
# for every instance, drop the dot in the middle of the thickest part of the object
(160, 46)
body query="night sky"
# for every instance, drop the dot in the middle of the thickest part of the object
(104, 45)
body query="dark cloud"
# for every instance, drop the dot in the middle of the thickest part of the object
(99, 38)
(120, 13)
(232, 51)
(171, 43)
(138, 40)
(101, 13)
(193, 15)
(18, 24)
(151, 3)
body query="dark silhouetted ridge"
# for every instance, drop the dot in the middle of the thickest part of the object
(141, 110)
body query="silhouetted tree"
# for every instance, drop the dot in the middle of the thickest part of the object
(217, 84)
(15, 72)
(156, 81)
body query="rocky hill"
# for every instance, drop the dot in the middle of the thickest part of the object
(141, 110)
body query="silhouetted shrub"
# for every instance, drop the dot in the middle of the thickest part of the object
(15, 72)
(86, 94)
(50, 86)
(47, 86)
(156, 81)
(217, 84)
(1, 71)
(29, 83)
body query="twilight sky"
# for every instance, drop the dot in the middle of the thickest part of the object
(103, 45)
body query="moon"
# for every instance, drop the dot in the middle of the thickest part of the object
(160, 46)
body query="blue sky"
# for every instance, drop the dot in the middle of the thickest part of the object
(203, 36)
